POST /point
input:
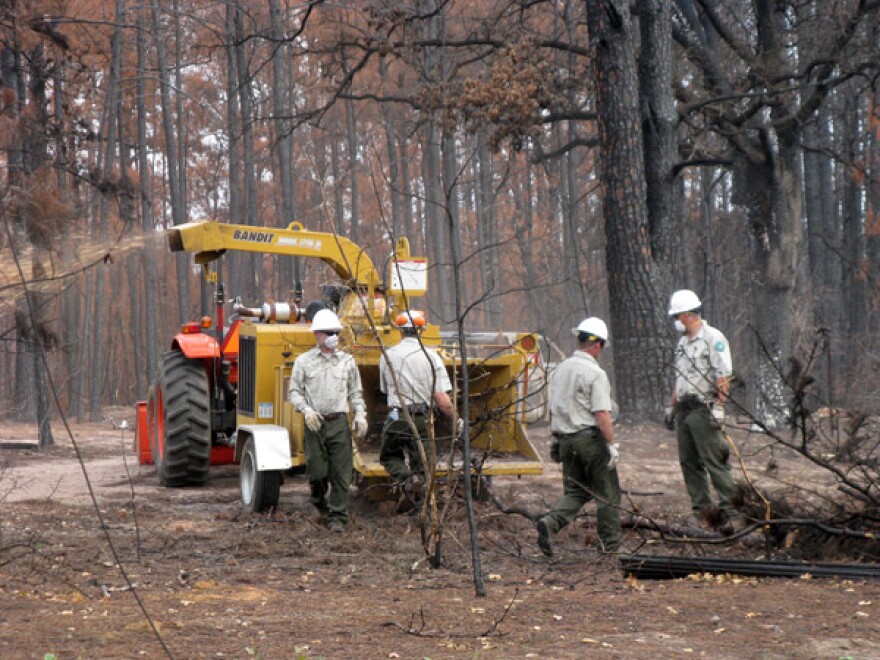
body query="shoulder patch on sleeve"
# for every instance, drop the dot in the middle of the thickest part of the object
(719, 346)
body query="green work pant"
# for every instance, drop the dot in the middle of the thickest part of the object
(399, 445)
(585, 476)
(703, 449)
(329, 464)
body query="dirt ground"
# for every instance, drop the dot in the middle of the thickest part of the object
(211, 582)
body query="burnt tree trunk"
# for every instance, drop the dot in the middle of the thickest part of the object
(148, 262)
(390, 129)
(352, 145)
(178, 215)
(663, 184)
(233, 128)
(251, 272)
(637, 323)
(289, 274)
(487, 224)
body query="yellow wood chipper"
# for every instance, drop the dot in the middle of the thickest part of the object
(220, 391)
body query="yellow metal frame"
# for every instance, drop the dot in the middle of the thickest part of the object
(208, 241)
(496, 426)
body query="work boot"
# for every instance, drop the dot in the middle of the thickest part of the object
(612, 548)
(731, 527)
(695, 521)
(336, 526)
(694, 527)
(544, 538)
(627, 549)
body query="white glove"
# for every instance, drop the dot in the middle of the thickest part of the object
(459, 426)
(718, 414)
(669, 418)
(614, 452)
(313, 419)
(359, 425)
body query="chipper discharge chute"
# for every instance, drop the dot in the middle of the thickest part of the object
(220, 395)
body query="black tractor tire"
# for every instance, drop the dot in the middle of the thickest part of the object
(183, 411)
(259, 490)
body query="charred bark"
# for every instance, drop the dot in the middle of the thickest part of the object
(636, 320)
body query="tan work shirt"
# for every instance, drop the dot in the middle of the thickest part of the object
(700, 361)
(326, 383)
(579, 387)
(420, 373)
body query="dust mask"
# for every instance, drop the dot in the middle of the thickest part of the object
(679, 326)
(331, 342)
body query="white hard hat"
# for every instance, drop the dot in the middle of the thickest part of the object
(325, 320)
(593, 326)
(682, 301)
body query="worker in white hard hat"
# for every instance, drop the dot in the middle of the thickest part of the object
(581, 422)
(703, 367)
(324, 385)
(415, 380)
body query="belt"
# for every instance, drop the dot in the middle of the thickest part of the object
(329, 417)
(589, 429)
(689, 403)
(415, 408)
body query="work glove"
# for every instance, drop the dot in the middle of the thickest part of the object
(459, 427)
(555, 456)
(313, 418)
(718, 415)
(359, 425)
(614, 452)
(669, 418)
